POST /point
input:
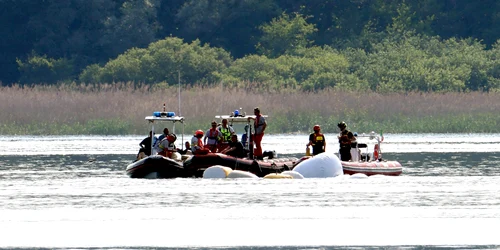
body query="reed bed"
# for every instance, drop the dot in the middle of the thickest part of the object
(120, 108)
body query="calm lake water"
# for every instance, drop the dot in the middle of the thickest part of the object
(72, 192)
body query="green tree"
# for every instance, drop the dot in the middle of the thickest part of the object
(41, 69)
(308, 69)
(285, 34)
(162, 61)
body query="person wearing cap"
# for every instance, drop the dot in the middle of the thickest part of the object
(260, 125)
(345, 140)
(317, 141)
(212, 138)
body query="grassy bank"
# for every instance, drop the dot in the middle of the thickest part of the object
(121, 108)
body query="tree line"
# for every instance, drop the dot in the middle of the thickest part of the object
(380, 45)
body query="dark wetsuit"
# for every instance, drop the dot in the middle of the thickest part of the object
(345, 144)
(318, 141)
(146, 144)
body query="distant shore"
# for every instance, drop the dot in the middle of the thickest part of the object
(120, 109)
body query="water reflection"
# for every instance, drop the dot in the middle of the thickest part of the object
(283, 144)
(77, 186)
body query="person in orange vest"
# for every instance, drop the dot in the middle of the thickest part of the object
(167, 146)
(197, 147)
(317, 140)
(260, 125)
(212, 138)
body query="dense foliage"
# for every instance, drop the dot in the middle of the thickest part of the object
(379, 45)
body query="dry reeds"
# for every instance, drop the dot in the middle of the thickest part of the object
(24, 107)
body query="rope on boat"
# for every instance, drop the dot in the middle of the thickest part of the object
(275, 167)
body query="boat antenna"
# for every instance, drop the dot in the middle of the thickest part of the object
(179, 90)
(179, 97)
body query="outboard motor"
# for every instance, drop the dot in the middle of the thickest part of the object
(270, 154)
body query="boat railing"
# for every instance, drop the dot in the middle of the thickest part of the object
(165, 117)
(238, 117)
(376, 148)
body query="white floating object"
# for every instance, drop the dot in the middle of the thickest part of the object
(216, 172)
(294, 174)
(277, 176)
(241, 174)
(323, 165)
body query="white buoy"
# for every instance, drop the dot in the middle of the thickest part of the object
(241, 174)
(294, 174)
(323, 165)
(277, 176)
(216, 172)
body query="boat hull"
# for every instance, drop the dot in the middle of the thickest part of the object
(155, 166)
(391, 168)
(195, 165)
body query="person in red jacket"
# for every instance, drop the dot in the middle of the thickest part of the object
(260, 125)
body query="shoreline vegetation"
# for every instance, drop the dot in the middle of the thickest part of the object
(120, 108)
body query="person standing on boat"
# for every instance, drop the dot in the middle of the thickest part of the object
(226, 132)
(345, 139)
(235, 148)
(146, 144)
(244, 136)
(317, 140)
(260, 125)
(212, 138)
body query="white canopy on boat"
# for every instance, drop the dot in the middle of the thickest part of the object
(167, 119)
(241, 119)
(152, 119)
(237, 119)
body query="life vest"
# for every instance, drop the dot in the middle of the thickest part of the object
(257, 123)
(318, 139)
(344, 139)
(213, 134)
(226, 133)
